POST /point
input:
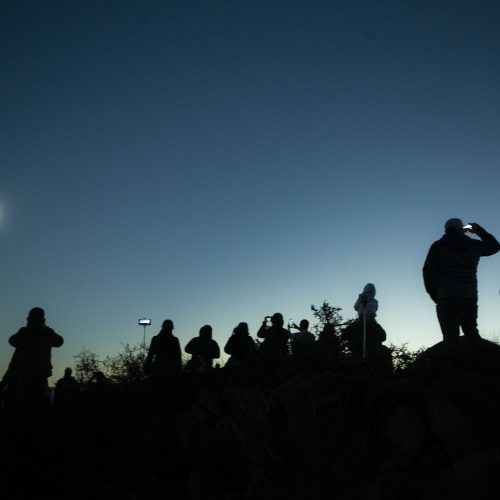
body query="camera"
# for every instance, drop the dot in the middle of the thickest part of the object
(467, 227)
(268, 321)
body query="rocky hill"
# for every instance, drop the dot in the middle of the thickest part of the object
(429, 433)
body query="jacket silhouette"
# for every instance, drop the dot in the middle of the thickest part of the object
(203, 350)
(33, 344)
(164, 355)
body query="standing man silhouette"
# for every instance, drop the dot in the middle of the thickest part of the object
(31, 363)
(164, 359)
(450, 277)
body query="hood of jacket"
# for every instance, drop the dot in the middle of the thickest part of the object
(370, 291)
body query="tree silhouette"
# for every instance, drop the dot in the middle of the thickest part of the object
(328, 316)
(87, 364)
(127, 366)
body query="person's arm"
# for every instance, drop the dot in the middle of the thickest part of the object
(251, 345)
(216, 350)
(178, 352)
(262, 331)
(489, 244)
(358, 303)
(189, 347)
(16, 338)
(228, 348)
(430, 270)
(57, 340)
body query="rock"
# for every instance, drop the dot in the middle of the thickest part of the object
(394, 486)
(444, 359)
(407, 433)
(462, 410)
(478, 474)
(308, 409)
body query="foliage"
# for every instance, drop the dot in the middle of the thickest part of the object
(87, 364)
(328, 316)
(127, 366)
(402, 357)
(330, 324)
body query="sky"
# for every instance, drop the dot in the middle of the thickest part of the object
(217, 161)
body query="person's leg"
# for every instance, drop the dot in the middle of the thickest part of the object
(468, 318)
(468, 322)
(448, 315)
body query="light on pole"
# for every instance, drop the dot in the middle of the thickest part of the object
(144, 322)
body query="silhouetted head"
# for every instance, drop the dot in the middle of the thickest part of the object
(453, 225)
(277, 320)
(36, 316)
(68, 372)
(370, 290)
(206, 332)
(241, 329)
(304, 324)
(167, 325)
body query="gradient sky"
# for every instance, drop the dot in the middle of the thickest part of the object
(216, 161)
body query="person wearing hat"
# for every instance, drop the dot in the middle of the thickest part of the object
(450, 277)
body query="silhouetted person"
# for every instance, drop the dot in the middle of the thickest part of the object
(67, 380)
(274, 348)
(366, 302)
(31, 365)
(303, 338)
(66, 389)
(239, 345)
(364, 336)
(164, 359)
(302, 343)
(203, 350)
(450, 277)
(327, 349)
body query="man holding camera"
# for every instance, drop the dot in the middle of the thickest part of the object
(31, 363)
(450, 277)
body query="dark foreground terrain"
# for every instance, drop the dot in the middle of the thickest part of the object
(429, 433)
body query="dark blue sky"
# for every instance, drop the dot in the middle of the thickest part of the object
(214, 162)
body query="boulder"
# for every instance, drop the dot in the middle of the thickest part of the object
(407, 432)
(444, 359)
(463, 412)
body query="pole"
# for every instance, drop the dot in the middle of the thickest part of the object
(364, 334)
(365, 303)
(144, 322)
